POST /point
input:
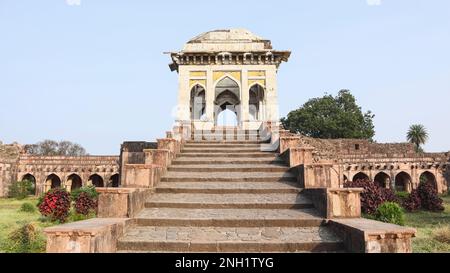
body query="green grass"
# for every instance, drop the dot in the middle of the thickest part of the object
(426, 223)
(11, 218)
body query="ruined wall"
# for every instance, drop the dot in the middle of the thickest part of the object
(9, 156)
(14, 165)
(41, 167)
(395, 165)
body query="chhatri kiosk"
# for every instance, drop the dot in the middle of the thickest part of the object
(227, 70)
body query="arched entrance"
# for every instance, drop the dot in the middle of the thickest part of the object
(75, 182)
(198, 102)
(360, 176)
(428, 177)
(403, 182)
(54, 181)
(32, 179)
(256, 102)
(96, 180)
(227, 98)
(114, 181)
(227, 118)
(382, 180)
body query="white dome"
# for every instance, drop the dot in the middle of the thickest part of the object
(231, 40)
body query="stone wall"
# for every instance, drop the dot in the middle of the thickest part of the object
(14, 166)
(9, 156)
(332, 162)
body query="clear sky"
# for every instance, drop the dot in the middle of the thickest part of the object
(93, 72)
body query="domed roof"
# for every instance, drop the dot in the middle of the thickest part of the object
(226, 35)
(227, 40)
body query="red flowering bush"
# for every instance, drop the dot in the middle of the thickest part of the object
(413, 202)
(429, 197)
(372, 196)
(84, 203)
(55, 204)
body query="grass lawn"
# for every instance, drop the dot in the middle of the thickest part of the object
(427, 223)
(11, 218)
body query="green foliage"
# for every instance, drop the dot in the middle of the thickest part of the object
(25, 239)
(55, 148)
(331, 117)
(418, 135)
(28, 207)
(390, 212)
(402, 195)
(74, 216)
(89, 190)
(21, 189)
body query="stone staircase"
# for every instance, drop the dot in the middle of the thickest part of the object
(228, 196)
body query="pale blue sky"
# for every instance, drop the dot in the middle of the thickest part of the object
(95, 74)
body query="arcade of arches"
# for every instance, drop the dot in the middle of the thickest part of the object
(400, 180)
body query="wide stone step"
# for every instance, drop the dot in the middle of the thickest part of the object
(227, 187)
(228, 161)
(222, 145)
(229, 201)
(229, 239)
(230, 142)
(221, 150)
(228, 177)
(230, 155)
(229, 137)
(229, 217)
(229, 168)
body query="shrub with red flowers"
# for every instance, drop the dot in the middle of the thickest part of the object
(85, 200)
(429, 197)
(413, 202)
(372, 196)
(85, 204)
(55, 204)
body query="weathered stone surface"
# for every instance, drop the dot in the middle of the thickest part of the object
(220, 239)
(121, 202)
(229, 217)
(90, 236)
(368, 236)
(336, 203)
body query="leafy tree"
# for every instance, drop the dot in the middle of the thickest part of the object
(54, 148)
(418, 135)
(331, 117)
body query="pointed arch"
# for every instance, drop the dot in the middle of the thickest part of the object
(403, 182)
(197, 102)
(428, 177)
(96, 180)
(54, 181)
(382, 179)
(360, 176)
(32, 179)
(75, 181)
(114, 181)
(256, 101)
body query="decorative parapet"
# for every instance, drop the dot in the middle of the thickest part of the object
(369, 236)
(91, 236)
(121, 202)
(287, 142)
(336, 203)
(141, 175)
(318, 175)
(296, 156)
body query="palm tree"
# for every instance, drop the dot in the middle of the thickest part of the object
(418, 135)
